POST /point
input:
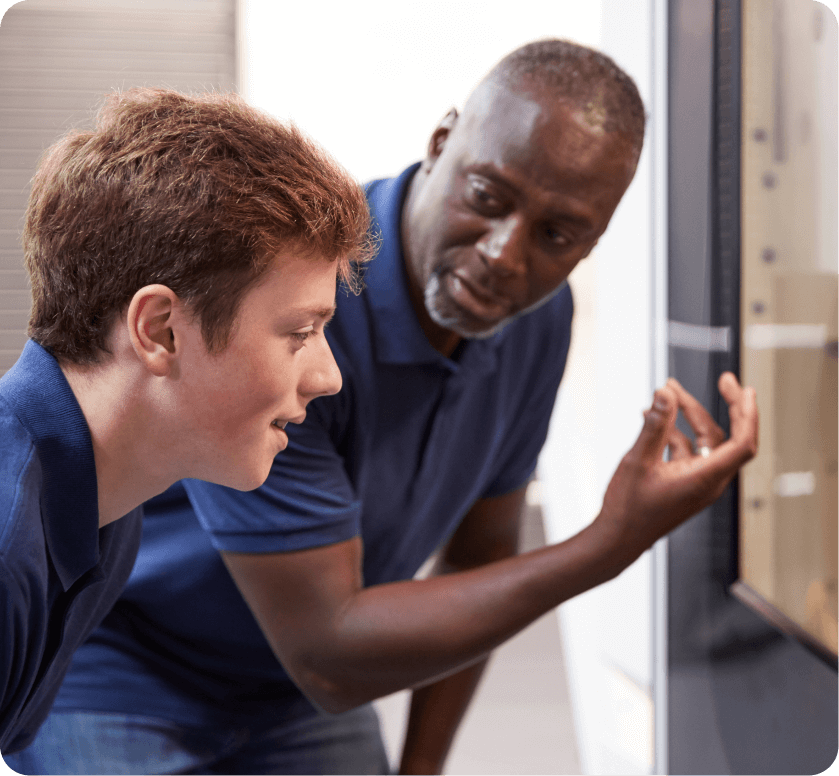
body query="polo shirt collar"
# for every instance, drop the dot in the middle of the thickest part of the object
(398, 336)
(43, 401)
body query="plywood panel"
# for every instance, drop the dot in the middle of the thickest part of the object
(788, 500)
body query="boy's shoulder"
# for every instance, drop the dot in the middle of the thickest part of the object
(20, 476)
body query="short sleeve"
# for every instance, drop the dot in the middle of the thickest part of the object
(540, 379)
(307, 500)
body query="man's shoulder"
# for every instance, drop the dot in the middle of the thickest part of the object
(350, 336)
(560, 307)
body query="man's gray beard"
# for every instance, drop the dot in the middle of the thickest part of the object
(433, 291)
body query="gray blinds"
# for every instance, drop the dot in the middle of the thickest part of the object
(57, 59)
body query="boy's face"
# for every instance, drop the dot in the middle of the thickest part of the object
(237, 402)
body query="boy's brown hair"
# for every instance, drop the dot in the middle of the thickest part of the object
(196, 192)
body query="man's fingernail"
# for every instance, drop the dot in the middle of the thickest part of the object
(660, 403)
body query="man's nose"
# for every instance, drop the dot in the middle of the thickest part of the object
(502, 246)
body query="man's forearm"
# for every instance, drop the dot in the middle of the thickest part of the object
(404, 634)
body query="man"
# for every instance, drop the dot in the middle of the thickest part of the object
(183, 257)
(247, 611)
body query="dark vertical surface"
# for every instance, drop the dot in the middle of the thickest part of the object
(742, 697)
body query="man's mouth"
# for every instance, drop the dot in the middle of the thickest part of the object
(475, 299)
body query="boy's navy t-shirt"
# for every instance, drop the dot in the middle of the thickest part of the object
(59, 573)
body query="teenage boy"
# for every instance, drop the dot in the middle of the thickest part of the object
(183, 257)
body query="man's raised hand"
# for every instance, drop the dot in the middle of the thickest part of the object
(648, 497)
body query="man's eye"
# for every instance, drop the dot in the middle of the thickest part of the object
(555, 236)
(482, 198)
(302, 336)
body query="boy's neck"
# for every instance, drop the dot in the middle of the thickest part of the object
(128, 450)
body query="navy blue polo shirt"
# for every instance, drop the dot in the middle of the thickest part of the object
(398, 457)
(59, 573)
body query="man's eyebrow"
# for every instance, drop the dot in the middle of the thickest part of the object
(582, 221)
(567, 215)
(488, 171)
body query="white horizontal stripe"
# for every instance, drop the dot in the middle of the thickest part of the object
(792, 484)
(767, 336)
(693, 337)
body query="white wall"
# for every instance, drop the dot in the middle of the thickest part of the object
(370, 80)
(607, 632)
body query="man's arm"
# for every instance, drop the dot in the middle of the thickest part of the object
(345, 644)
(489, 532)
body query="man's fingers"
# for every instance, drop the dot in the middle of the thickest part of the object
(729, 387)
(741, 447)
(680, 445)
(742, 411)
(705, 428)
(658, 421)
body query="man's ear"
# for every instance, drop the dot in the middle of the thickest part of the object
(439, 137)
(150, 327)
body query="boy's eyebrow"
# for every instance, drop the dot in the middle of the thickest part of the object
(314, 312)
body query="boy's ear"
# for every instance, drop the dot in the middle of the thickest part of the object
(150, 327)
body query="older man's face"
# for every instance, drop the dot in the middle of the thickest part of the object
(507, 204)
